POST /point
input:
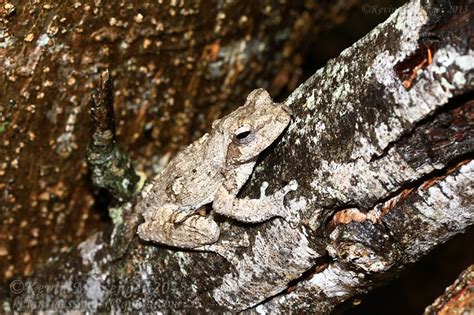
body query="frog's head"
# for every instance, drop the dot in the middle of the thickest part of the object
(250, 129)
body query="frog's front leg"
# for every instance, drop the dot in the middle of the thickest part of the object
(253, 210)
(170, 226)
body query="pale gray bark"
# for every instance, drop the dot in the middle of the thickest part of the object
(364, 142)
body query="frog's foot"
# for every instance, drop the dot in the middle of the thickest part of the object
(253, 210)
(277, 198)
(181, 215)
(290, 215)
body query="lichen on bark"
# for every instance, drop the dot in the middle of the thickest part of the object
(382, 165)
(177, 66)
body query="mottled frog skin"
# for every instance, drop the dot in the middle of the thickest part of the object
(211, 171)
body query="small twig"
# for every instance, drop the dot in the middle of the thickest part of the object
(111, 169)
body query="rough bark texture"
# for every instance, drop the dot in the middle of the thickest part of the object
(178, 65)
(458, 298)
(383, 162)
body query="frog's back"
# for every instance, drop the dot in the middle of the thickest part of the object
(192, 178)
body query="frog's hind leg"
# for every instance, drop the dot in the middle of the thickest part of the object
(193, 232)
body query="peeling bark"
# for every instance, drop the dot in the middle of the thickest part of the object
(384, 172)
(406, 228)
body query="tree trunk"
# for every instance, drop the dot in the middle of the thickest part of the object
(381, 148)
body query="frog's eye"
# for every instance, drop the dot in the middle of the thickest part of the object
(243, 134)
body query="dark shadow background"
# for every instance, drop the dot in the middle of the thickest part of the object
(420, 284)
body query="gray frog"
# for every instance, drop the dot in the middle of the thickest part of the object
(212, 170)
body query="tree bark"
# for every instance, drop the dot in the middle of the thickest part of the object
(381, 147)
(458, 298)
(178, 66)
